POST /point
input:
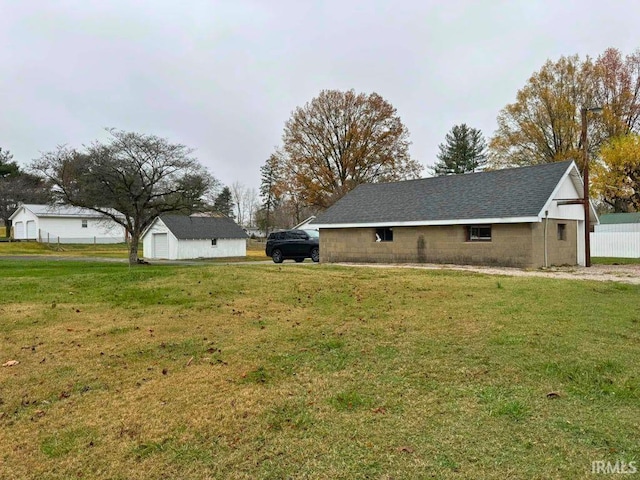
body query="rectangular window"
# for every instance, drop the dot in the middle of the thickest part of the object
(214, 242)
(384, 235)
(562, 231)
(84, 223)
(479, 233)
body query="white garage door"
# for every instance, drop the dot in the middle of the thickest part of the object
(31, 229)
(160, 245)
(18, 230)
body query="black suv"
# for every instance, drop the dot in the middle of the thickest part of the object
(295, 244)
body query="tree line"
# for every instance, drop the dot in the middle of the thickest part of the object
(341, 139)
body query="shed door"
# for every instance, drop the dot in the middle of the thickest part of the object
(160, 245)
(18, 230)
(31, 229)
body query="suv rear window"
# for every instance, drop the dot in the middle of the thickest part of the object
(296, 235)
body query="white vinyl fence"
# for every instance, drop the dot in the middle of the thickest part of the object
(615, 244)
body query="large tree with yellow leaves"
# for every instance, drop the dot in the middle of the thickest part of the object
(543, 125)
(340, 140)
(616, 178)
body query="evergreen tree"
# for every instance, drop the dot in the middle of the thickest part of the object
(464, 151)
(7, 167)
(16, 187)
(268, 189)
(223, 203)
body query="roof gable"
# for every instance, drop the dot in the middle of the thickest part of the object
(499, 194)
(198, 228)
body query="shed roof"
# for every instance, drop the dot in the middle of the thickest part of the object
(499, 194)
(61, 211)
(198, 228)
(616, 218)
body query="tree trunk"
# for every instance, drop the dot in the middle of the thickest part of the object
(133, 249)
(267, 225)
(7, 227)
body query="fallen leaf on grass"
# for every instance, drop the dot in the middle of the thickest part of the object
(405, 449)
(379, 410)
(10, 363)
(37, 414)
(553, 395)
(189, 362)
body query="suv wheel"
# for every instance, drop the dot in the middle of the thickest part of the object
(315, 255)
(276, 255)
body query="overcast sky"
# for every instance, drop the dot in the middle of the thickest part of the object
(223, 76)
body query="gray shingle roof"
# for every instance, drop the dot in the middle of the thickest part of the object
(514, 192)
(199, 228)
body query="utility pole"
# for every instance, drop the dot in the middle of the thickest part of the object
(585, 179)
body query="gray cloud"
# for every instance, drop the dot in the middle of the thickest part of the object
(224, 76)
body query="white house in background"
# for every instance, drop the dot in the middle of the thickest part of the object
(179, 237)
(617, 235)
(64, 224)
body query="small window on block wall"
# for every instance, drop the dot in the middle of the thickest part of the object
(214, 242)
(562, 231)
(479, 233)
(84, 223)
(384, 235)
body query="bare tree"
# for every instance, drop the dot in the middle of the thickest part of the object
(238, 197)
(251, 202)
(131, 179)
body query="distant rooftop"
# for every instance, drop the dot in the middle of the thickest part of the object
(61, 211)
(615, 218)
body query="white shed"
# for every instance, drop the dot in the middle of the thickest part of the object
(64, 224)
(179, 237)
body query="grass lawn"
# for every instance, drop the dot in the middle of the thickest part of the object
(107, 250)
(614, 261)
(312, 371)
(255, 250)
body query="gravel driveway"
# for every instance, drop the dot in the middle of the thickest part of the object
(601, 273)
